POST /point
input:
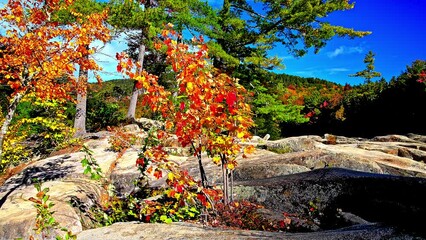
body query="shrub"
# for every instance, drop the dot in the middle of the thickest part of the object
(40, 127)
(247, 215)
(45, 222)
(101, 114)
(121, 140)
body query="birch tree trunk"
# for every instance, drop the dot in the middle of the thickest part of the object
(131, 113)
(81, 107)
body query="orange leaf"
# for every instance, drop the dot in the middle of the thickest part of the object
(158, 174)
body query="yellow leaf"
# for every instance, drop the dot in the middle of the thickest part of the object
(230, 166)
(248, 150)
(240, 135)
(216, 160)
(189, 86)
(170, 176)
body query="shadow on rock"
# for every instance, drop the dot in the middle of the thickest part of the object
(391, 200)
(49, 171)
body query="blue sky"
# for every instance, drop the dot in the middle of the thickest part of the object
(398, 39)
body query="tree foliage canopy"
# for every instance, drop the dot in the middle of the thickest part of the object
(249, 30)
(38, 50)
(368, 73)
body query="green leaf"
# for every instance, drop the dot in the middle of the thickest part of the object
(87, 170)
(163, 218)
(51, 221)
(45, 198)
(84, 162)
(95, 176)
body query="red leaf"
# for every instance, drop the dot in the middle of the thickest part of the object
(202, 198)
(119, 56)
(231, 98)
(213, 109)
(179, 188)
(14, 84)
(325, 104)
(182, 106)
(219, 98)
(138, 85)
(140, 162)
(158, 174)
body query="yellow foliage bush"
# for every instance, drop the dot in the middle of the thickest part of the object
(14, 150)
(41, 134)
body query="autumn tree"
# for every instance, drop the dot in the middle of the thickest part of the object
(38, 50)
(143, 21)
(368, 73)
(212, 111)
(210, 114)
(67, 16)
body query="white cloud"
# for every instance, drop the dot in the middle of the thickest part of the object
(344, 50)
(336, 52)
(332, 71)
(308, 73)
(287, 57)
(315, 72)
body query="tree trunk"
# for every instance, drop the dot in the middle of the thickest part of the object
(204, 181)
(131, 113)
(203, 176)
(231, 186)
(225, 180)
(10, 113)
(80, 115)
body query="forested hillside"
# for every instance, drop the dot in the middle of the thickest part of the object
(283, 105)
(286, 105)
(366, 110)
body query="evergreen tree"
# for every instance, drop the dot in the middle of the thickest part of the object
(249, 30)
(368, 73)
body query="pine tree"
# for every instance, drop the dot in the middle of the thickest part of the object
(368, 73)
(247, 33)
